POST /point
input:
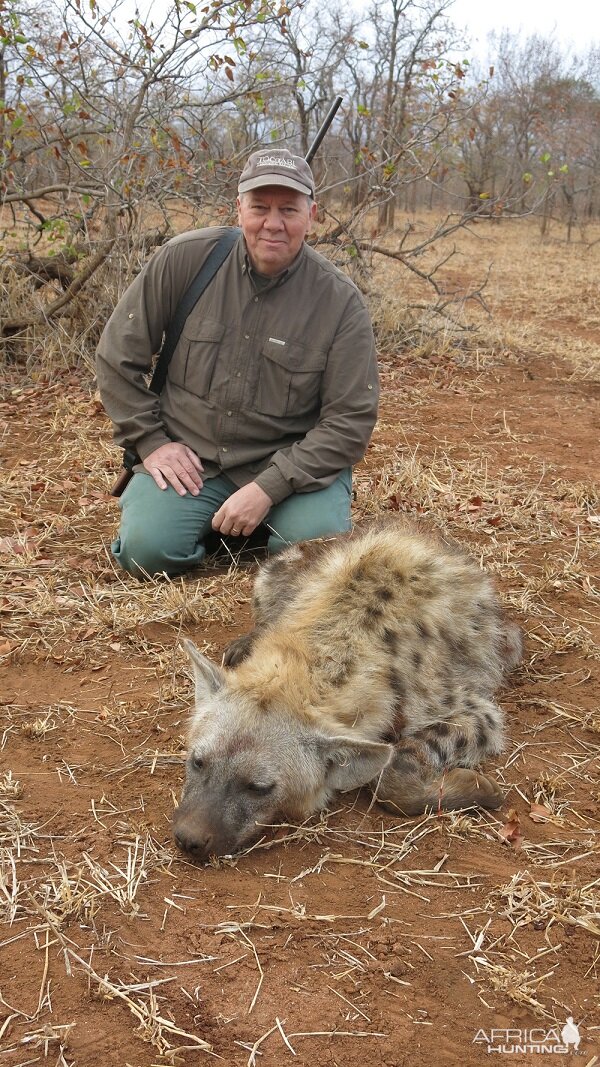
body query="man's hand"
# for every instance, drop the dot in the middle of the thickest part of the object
(242, 511)
(177, 465)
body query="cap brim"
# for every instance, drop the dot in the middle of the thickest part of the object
(274, 179)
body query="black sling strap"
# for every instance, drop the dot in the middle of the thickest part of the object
(190, 298)
(205, 275)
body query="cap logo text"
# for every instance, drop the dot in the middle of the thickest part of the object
(275, 161)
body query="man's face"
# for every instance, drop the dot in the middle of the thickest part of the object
(275, 222)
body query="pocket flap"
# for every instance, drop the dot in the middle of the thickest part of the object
(203, 330)
(294, 357)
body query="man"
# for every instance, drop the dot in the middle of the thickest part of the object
(271, 393)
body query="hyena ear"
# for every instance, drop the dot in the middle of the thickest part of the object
(207, 675)
(351, 763)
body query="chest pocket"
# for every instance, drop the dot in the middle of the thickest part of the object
(200, 345)
(290, 379)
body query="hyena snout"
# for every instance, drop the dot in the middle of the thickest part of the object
(192, 834)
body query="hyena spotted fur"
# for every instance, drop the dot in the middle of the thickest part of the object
(373, 661)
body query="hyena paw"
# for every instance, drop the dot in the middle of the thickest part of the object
(465, 788)
(410, 794)
(238, 650)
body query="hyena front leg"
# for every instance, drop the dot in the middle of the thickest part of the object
(432, 768)
(275, 587)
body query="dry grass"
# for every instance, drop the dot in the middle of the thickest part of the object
(334, 937)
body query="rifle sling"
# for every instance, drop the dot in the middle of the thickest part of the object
(190, 298)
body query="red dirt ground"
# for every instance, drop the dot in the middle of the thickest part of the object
(357, 938)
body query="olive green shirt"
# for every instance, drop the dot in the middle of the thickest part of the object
(274, 383)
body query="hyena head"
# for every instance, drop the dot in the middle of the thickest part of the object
(249, 767)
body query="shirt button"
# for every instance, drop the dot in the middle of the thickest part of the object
(238, 374)
(130, 316)
(256, 300)
(224, 450)
(369, 387)
(246, 336)
(230, 412)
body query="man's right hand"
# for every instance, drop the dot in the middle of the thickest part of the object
(177, 465)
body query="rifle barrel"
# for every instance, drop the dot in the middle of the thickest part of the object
(323, 129)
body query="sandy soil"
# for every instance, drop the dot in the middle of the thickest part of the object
(356, 937)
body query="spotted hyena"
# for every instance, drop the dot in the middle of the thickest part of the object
(373, 661)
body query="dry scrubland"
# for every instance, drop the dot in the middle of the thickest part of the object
(356, 937)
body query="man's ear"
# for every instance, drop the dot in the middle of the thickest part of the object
(207, 675)
(351, 763)
(312, 217)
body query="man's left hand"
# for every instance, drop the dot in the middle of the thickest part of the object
(242, 511)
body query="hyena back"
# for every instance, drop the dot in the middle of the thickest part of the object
(374, 660)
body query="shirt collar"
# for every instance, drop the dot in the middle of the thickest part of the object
(278, 279)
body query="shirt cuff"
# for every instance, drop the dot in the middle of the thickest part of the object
(149, 444)
(272, 482)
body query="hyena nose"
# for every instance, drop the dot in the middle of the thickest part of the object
(198, 844)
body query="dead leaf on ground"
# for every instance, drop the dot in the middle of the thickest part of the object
(510, 833)
(540, 813)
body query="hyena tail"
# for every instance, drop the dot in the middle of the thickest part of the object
(432, 768)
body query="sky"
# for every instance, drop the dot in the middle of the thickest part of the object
(573, 23)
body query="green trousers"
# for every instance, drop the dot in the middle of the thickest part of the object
(164, 533)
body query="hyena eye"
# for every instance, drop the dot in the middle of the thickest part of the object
(260, 790)
(198, 763)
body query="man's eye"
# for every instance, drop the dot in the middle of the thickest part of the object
(260, 790)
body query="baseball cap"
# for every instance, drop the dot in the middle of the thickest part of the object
(275, 166)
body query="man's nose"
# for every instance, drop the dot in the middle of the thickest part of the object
(274, 219)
